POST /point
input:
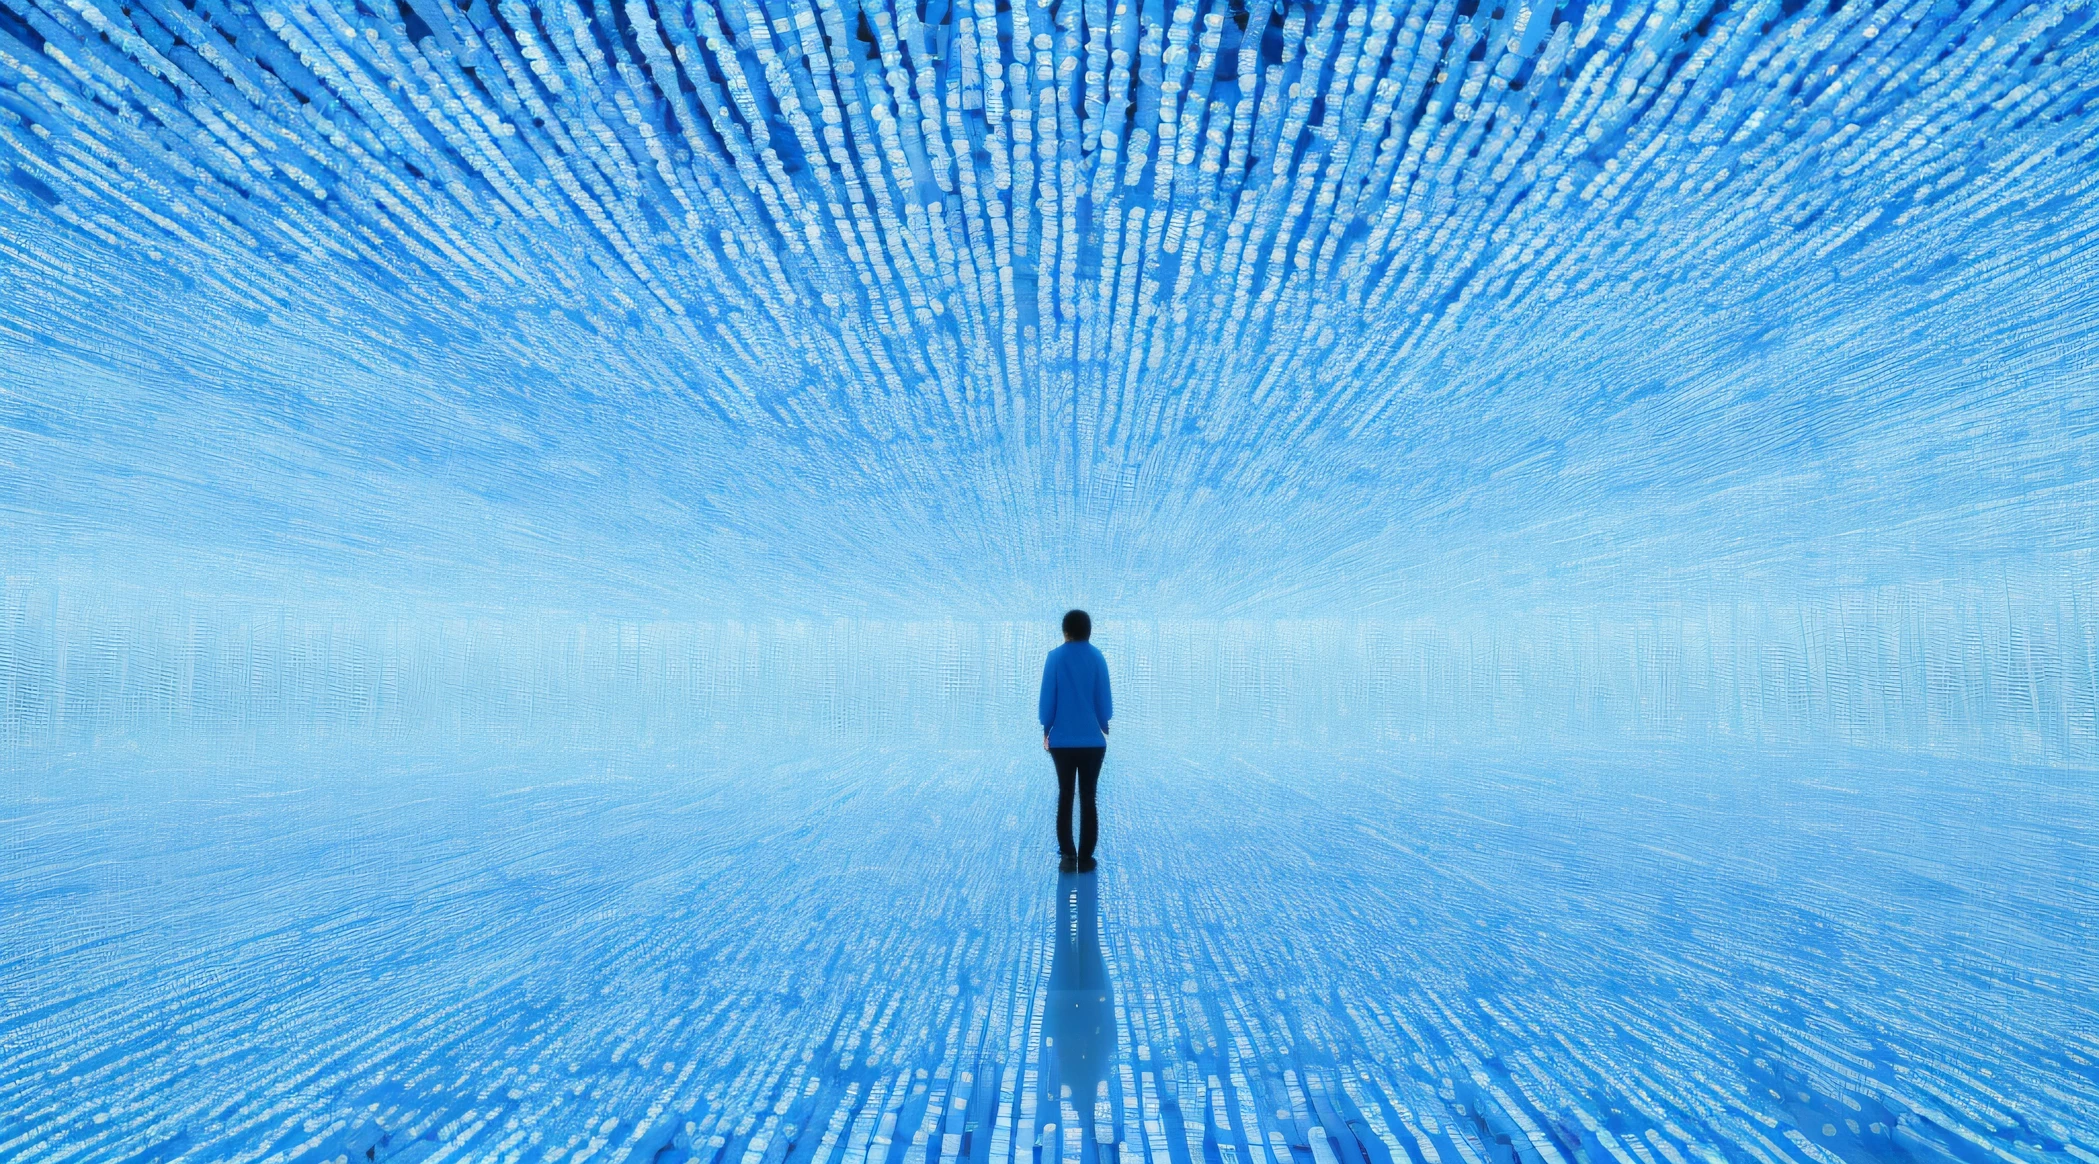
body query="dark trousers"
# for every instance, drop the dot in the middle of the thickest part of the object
(1080, 768)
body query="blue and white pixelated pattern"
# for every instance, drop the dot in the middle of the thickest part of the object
(1200, 309)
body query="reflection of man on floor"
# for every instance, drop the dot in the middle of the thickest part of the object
(1081, 1021)
(1075, 710)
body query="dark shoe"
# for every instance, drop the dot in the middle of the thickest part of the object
(1086, 864)
(1068, 865)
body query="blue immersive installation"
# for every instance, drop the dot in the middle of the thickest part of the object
(529, 533)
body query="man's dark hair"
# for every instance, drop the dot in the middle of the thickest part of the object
(1078, 625)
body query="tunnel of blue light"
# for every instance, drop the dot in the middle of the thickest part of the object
(529, 533)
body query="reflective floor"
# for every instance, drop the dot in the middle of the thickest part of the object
(870, 958)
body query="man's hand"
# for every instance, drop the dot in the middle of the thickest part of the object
(1045, 741)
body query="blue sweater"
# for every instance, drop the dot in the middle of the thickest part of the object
(1075, 707)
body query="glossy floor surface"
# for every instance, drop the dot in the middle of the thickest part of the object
(870, 958)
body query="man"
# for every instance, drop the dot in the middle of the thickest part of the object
(1075, 710)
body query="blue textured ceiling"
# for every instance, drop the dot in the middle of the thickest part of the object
(1201, 307)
